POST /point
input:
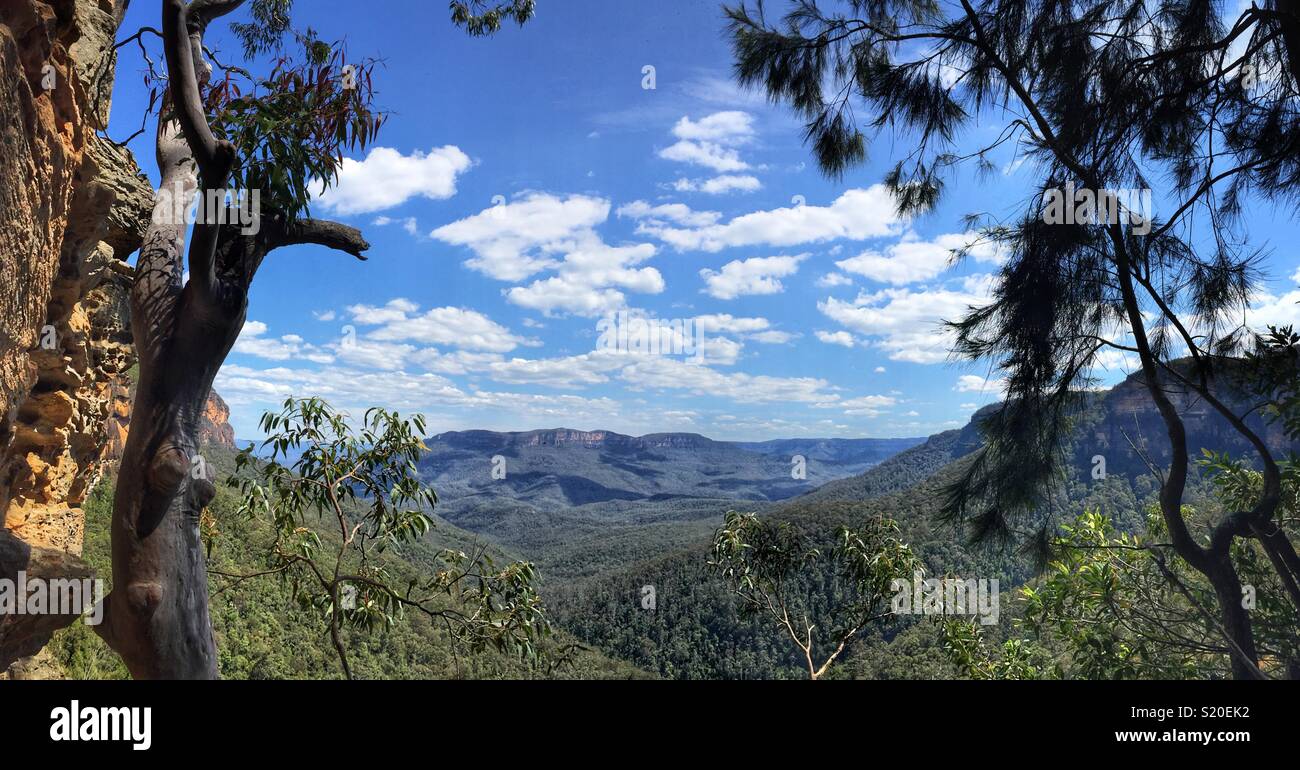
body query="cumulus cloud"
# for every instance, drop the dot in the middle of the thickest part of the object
(409, 224)
(1275, 310)
(373, 354)
(540, 232)
(863, 406)
(973, 383)
(387, 178)
(253, 342)
(706, 154)
(674, 374)
(400, 321)
(906, 323)
(912, 260)
(567, 372)
(856, 215)
(842, 338)
(675, 213)
(756, 329)
(719, 185)
(588, 281)
(355, 390)
(831, 280)
(727, 127)
(757, 275)
(711, 141)
(514, 240)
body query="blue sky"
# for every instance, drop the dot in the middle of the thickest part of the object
(527, 185)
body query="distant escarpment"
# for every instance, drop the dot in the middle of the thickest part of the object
(559, 469)
(1120, 425)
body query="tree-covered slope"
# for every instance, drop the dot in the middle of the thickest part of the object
(263, 633)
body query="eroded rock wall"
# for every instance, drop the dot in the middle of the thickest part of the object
(76, 207)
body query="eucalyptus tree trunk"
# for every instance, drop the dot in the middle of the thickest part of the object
(156, 617)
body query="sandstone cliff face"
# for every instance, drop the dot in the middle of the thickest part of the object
(76, 207)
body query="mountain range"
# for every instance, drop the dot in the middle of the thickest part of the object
(562, 468)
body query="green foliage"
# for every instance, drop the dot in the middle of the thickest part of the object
(264, 632)
(1123, 606)
(965, 643)
(271, 20)
(480, 18)
(777, 573)
(367, 484)
(1273, 367)
(699, 629)
(292, 125)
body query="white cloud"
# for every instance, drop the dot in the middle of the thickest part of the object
(395, 310)
(719, 185)
(911, 260)
(676, 213)
(588, 281)
(566, 373)
(354, 391)
(831, 280)
(757, 275)
(864, 406)
(457, 362)
(251, 342)
(543, 232)
(707, 154)
(728, 324)
(973, 383)
(906, 322)
(387, 178)
(711, 141)
(373, 354)
(514, 240)
(856, 215)
(756, 329)
(773, 337)
(409, 224)
(728, 127)
(398, 321)
(836, 338)
(670, 373)
(1271, 309)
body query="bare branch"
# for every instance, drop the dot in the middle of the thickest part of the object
(321, 232)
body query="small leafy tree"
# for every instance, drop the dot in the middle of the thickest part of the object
(364, 487)
(1122, 606)
(775, 572)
